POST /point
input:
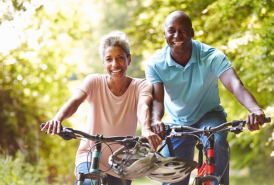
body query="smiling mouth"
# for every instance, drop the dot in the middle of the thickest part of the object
(178, 43)
(116, 71)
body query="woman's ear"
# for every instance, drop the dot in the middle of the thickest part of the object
(129, 59)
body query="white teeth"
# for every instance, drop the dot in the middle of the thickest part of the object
(117, 71)
(178, 43)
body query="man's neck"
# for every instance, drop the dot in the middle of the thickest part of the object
(182, 59)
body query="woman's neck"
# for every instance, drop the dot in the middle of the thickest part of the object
(118, 87)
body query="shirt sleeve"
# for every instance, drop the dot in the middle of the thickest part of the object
(145, 88)
(151, 74)
(88, 84)
(220, 63)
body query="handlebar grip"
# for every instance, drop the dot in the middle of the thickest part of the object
(267, 119)
(144, 140)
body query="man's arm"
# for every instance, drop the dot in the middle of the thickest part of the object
(233, 83)
(68, 109)
(143, 115)
(158, 109)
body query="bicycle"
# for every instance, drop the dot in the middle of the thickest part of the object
(205, 168)
(134, 159)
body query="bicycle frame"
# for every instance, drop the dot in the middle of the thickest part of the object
(94, 172)
(206, 169)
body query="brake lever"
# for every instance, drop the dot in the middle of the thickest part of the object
(238, 129)
(66, 133)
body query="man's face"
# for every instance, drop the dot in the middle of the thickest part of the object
(178, 33)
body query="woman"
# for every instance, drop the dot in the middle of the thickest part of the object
(116, 103)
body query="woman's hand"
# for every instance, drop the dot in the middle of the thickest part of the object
(54, 126)
(153, 139)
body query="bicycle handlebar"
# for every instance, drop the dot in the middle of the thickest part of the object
(180, 131)
(68, 133)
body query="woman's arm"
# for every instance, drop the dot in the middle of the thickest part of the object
(233, 83)
(68, 109)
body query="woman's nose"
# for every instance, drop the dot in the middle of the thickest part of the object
(114, 62)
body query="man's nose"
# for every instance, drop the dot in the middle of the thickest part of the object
(176, 34)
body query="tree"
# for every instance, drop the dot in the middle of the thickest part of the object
(34, 69)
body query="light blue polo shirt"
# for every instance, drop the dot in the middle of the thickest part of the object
(190, 91)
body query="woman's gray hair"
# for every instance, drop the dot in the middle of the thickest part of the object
(114, 38)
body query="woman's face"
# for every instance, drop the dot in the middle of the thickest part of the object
(116, 62)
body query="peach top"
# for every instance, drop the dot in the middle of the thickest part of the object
(109, 115)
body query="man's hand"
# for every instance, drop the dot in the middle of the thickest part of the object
(158, 128)
(54, 126)
(153, 139)
(254, 119)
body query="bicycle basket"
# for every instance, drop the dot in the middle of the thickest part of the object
(172, 169)
(134, 163)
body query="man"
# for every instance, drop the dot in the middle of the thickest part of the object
(185, 77)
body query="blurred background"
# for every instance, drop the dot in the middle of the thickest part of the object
(48, 47)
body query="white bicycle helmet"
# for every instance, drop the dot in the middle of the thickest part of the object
(140, 162)
(172, 169)
(134, 163)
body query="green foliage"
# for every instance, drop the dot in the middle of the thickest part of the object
(17, 171)
(33, 80)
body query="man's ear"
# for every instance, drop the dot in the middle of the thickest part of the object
(192, 32)
(164, 34)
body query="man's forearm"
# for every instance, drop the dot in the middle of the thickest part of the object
(247, 99)
(157, 111)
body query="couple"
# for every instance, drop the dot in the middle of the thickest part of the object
(182, 77)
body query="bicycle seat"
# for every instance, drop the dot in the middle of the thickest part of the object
(172, 169)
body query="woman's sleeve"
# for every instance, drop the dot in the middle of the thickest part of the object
(88, 84)
(145, 88)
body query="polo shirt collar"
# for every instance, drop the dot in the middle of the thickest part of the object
(193, 59)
